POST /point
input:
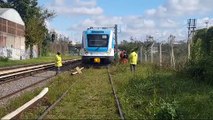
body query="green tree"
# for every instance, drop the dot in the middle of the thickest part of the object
(198, 45)
(35, 33)
(46, 44)
(4, 4)
(201, 66)
(209, 37)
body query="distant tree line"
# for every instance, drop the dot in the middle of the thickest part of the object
(34, 16)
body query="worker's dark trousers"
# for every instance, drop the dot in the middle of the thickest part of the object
(57, 70)
(132, 67)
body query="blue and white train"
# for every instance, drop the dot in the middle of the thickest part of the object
(98, 45)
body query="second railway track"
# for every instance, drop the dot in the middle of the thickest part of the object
(14, 86)
(7, 74)
(121, 114)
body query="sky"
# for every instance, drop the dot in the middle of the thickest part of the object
(135, 18)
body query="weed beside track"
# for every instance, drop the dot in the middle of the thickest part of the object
(153, 93)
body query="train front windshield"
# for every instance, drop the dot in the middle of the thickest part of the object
(97, 40)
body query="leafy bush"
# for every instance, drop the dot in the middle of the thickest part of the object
(201, 70)
(167, 111)
(200, 67)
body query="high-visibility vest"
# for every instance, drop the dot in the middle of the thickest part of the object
(133, 58)
(58, 61)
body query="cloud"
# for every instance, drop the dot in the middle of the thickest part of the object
(170, 18)
(75, 7)
(204, 22)
(89, 3)
(178, 8)
(59, 2)
(79, 10)
(97, 21)
(127, 26)
(167, 18)
(161, 11)
(168, 23)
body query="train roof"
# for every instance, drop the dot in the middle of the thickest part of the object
(98, 31)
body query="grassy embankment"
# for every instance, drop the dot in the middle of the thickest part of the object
(147, 94)
(8, 63)
(153, 93)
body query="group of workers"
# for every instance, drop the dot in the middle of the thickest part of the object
(123, 58)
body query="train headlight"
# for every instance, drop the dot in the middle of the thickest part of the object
(97, 60)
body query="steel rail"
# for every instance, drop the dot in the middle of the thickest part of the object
(36, 83)
(115, 95)
(24, 68)
(28, 65)
(29, 86)
(8, 74)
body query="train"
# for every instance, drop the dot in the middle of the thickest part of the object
(98, 45)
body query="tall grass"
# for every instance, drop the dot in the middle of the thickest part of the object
(149, 93)
(153, 93)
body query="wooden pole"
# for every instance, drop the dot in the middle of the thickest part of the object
(141, 54)
(145, 56)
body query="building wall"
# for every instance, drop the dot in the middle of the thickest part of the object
(12, 40)
(2, 40)
(19, 43)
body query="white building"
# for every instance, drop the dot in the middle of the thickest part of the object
(12, 35)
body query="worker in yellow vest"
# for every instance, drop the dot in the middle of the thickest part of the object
(133, 58)
(58, 62)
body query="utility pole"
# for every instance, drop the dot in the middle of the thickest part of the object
(116, 37)
(207, 23)
(147, 45)
(191, 31)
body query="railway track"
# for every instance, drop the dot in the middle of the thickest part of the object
(118, 104)
(23, 71)
(13, 86)
(115, 96)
